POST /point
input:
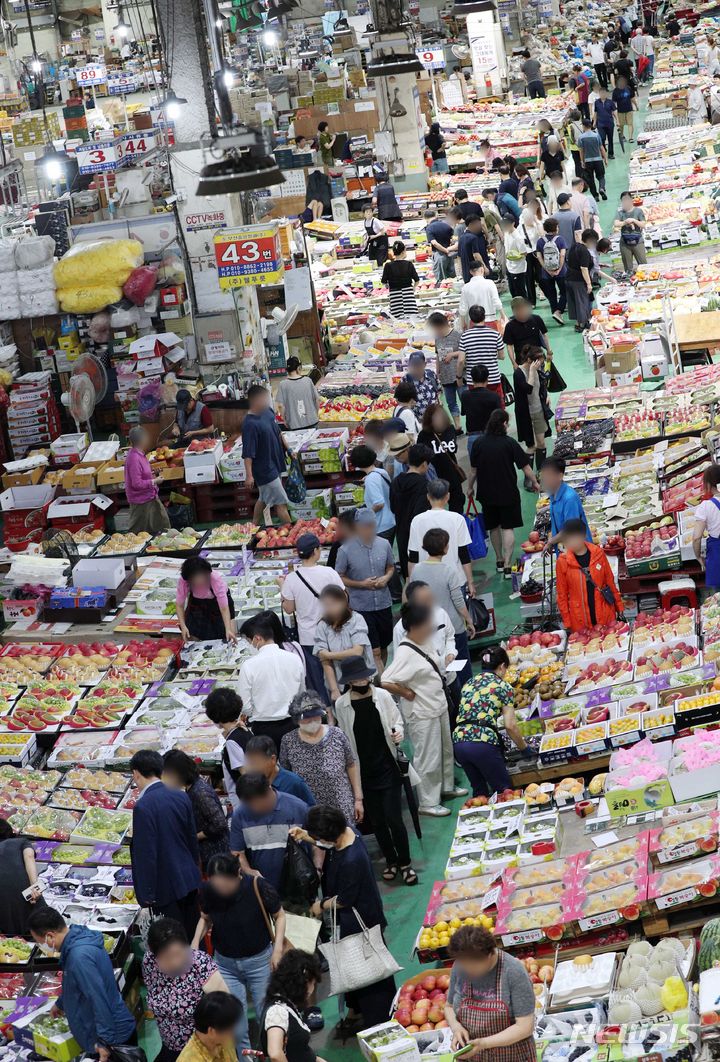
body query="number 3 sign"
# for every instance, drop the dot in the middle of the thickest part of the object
(248, 255)
(97, 156)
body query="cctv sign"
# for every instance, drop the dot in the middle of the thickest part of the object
(433, 58)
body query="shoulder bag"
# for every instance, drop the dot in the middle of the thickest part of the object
(358, 960)
(287, 946)
(289, 620)
(438, 672)
(460, 472)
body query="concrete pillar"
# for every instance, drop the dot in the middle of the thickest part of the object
(406, 133)
(487, 50)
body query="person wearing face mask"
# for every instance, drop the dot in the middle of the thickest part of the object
(267, 683)
(259, 828)
(90, 998)
(348, 885)
(238, 910)
(370, 719)
(176, 977)
(323, 756)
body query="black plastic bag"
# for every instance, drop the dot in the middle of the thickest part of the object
(555, 381)
(508, 393)
(478, 614)
(126, 1053)
(299, 881)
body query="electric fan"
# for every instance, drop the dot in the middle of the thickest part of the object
(88, 386)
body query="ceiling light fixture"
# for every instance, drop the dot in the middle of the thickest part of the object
(270, 38)
(228, 78)
(35, 65)
(122, 29)
(54, 165)
(171, 105)
(472, 7)
(244, 165)
(383, 65)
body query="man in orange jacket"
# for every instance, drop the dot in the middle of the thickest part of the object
(585, 587)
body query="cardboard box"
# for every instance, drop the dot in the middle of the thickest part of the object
(209, 458)
(26, 499)
(79, 511)
(23, 479)
(107, 572)
(112, 473)
(621, 362)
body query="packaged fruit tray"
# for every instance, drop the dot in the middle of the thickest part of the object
(82, 748)
(555, 748)
(551, 892)
(534, 920)
(603, 640)
(187, 540)
(15, 950)
(623, 901)
(82, 799)
(123, 545)
(53, 824)
(231, 536)
(685, 883)
(29, 777)
(464, 889)
(606, 878)
(633, 848)
(85, 778)
(682, 840)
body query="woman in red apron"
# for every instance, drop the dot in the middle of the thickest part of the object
(490, 1002)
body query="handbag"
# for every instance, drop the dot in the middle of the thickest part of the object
(508, 393)
(295, 486)
(555, 381)
(287, 946)
(126, 1053)
(476, 528)
(460, 472)
(358, 960)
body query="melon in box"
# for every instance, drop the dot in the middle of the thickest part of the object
(317, 506)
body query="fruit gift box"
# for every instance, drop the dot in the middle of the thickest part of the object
(474, 819)
(459, 899)
(105, 781)
(557, 748)
(624, 903)
(598, 641)
(54, 824)
(585, 674)
(684, 883)
(81, 749)
(15, 951)
(638, 778)
(528, 925)
(634, 849)
(678, 841)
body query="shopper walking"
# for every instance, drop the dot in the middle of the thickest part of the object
(447, 590)
(443, 637)
(147, 513)
(261, 757)
(176, 977)
(584, 583)
(349, 886)
(516, 250)
(300, 591)
(164, 850)
(408, 497)
(440, 236)
(594, 158)
(439, 435)
(322, 756)
(551, 251)
(531, 222)
(377, 247)
(246, 922)
(625, 102)
(491, 1002)
(205, 609)
(435, 142)
(531, 408)
(268, 681)
(297, 399)
(630, 222)
(376, 491)
(597, 58)
(284, 1036)
(472, 246)
(224, 708)
(440, 516)
(264, 455)
(416, 678)
(481, 344)
(340, 634)
(400, 276)
(485, 701)
(565, 502)
(480, 291)
(523, 328)
(605, 108)
(90, 998)
(181, 772)
(551, 159)
(494, 459)
(373, 727)
(424, 381)
(366, 565)
(18, 873)
(447, 352)
(385, 201)
(477, 403)
(259, 827)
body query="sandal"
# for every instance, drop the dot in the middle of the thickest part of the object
(390, 872)
(409, 876)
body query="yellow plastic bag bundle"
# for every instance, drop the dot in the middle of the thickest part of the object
(105, 261)
(88, 298)
(674, 995)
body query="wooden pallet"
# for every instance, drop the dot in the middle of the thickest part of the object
(222, 501)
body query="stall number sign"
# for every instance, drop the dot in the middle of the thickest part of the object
(249, 255)
(118, 86)
(132, 145)
(433, 58)
(92, 74)
(97, 156)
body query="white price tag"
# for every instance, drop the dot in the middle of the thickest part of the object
(526, 937)
(676, 898)
(682, 851)
(491, 897)
(597, 921)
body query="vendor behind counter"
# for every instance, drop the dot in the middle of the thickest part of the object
(193, 419)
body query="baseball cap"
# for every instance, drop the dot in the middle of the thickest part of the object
(183, 397)
(365, 516)
(307, 544)
(563, 198)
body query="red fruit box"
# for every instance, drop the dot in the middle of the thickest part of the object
(15, 649)
(532, 874)
(626, 903)
(467, 895)
(533, 925)
(683, 840)
(589, 881)
(684, 883)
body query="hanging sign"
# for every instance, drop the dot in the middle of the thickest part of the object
(97, 156)
(92, 74)
(248, 255)
(432, 58)
(120, 84)
(135, 145)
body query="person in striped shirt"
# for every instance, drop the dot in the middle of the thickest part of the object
(481, 344)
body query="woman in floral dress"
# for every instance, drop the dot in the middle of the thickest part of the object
(484, 701)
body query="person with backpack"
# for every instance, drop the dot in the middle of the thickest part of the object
(406, 397)
(376, 490)
(551, 251)
(630, 222)
(516, 248)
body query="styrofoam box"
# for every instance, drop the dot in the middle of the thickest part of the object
(26, 497)
(108, 572)
(204, 458)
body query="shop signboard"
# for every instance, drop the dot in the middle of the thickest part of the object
(134, 145)
(92, 74)
(120, 84)
(98, 156)
(432, 58)
(247, 255)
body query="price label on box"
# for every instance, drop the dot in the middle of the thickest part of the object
(92, 74)
(676, 898)
(97, 156)
(528, 936)
(248, 255)
(607, 919)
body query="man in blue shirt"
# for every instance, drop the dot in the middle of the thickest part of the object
(605, 120)
(366, 565)
(592, 157)
(261, 757)
(264, 455)
(259, 828)
(473, 246)
(376, 488)
(440, 236)
(565, 502)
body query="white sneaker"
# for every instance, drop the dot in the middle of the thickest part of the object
(437, 811)
(453, 794)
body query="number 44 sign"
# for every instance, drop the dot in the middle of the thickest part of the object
(248, 255)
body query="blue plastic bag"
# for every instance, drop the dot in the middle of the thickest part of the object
(295, 486)
(478, 535)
